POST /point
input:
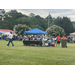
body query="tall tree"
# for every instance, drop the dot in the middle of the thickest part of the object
(19, 29)
(49, 19)
(65, 23)
(73, 25)
(2, 14)
(55, 30)
(31, 15)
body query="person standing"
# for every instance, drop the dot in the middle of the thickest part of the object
(49, 42)
(55, 38)
(58, 39)
(10, 39)
(64, 37)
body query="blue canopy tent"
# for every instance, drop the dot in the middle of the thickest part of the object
(0, 36)
(35, 31)
(1, 33)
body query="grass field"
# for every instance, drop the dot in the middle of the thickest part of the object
(33, 55)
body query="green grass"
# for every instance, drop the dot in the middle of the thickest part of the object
(33, 55)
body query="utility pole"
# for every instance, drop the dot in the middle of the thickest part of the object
(49, 20)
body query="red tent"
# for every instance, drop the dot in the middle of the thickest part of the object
(5, 30)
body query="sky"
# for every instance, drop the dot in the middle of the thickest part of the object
(70, 13)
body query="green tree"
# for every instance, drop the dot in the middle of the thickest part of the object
(65, 23)
(37, 20)
(19, 29)
(55, 30)
(49, 20)
(31, 15)
(73, 25)
(2, 14)
(36, 26)
(24, 20)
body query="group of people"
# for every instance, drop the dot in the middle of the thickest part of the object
(57, 40)
(32, 37)
(50, 41)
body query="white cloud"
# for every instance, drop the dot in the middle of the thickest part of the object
(7, 10)
(44, 13)
(70, 14)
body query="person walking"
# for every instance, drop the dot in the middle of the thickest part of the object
(10, 39)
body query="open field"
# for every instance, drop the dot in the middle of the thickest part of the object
(33, 55)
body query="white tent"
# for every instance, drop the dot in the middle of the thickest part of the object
(7, 33)
(72, 33)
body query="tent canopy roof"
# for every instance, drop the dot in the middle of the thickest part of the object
(35, 31)
(5, 30)
(1, 33)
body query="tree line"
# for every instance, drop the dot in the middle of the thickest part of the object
(9, 19)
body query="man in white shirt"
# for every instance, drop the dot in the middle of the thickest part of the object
(10, 39)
